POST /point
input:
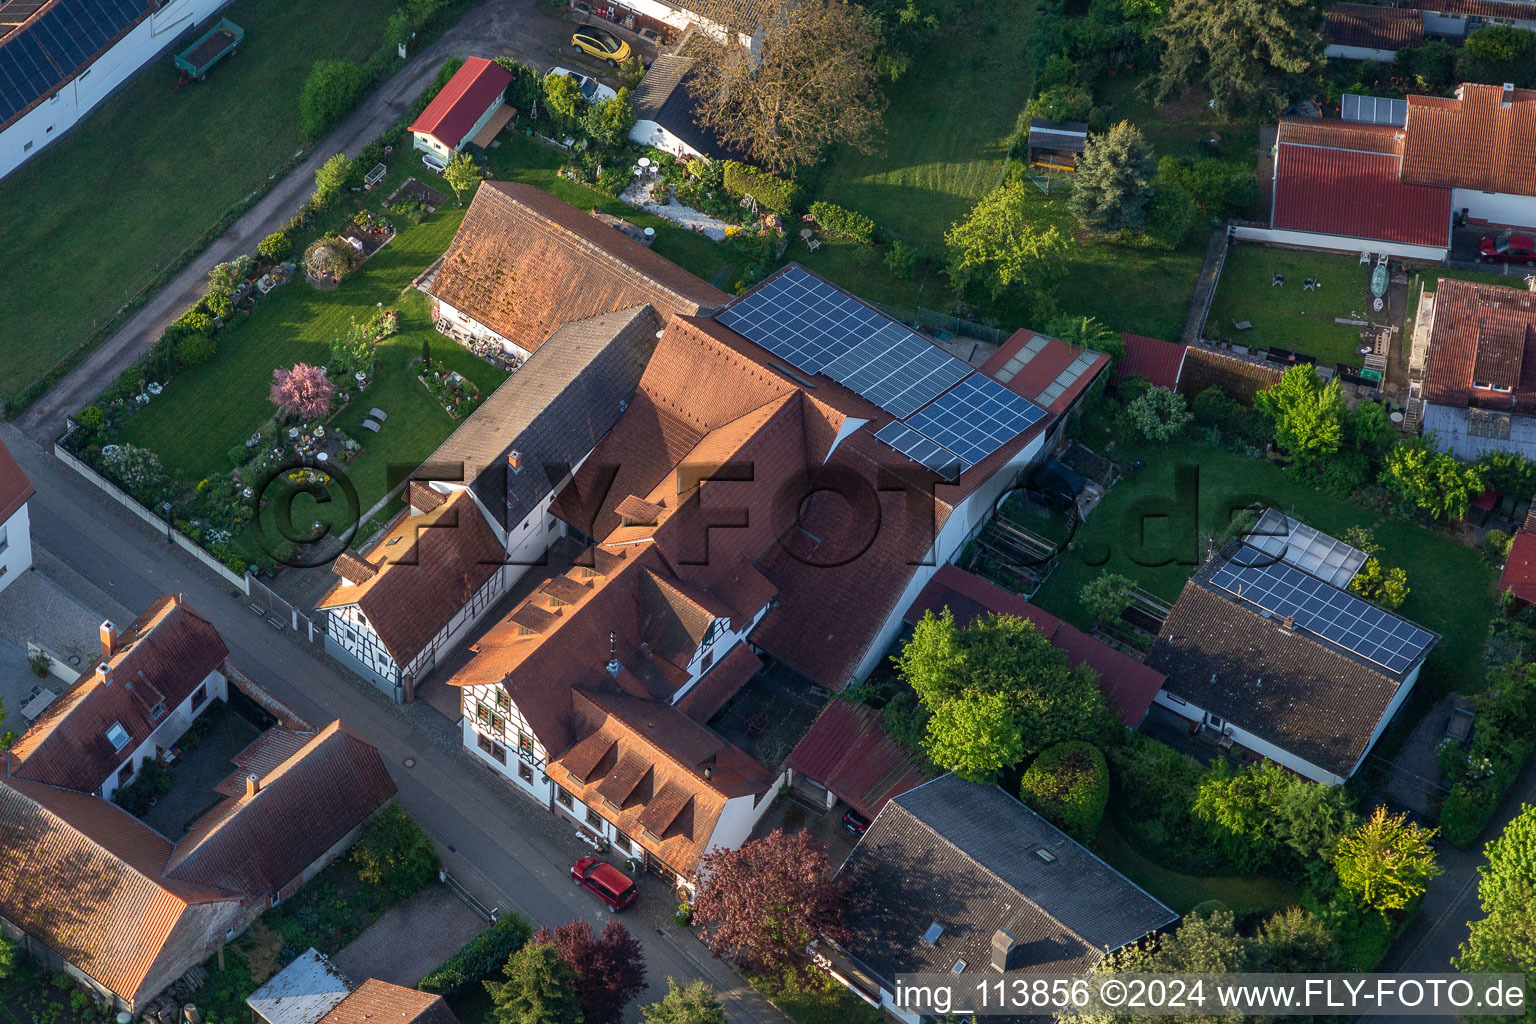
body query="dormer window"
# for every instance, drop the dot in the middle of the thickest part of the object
(1483, 385)
(117, 736)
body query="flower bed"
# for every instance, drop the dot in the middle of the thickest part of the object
(457, 395)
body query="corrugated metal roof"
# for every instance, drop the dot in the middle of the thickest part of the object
(847, 752)
(301, 993)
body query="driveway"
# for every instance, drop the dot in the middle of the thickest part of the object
(516, 28)
(410, 940)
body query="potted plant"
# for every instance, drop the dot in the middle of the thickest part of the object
(40, 663)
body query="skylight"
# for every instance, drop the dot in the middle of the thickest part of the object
(117, 736)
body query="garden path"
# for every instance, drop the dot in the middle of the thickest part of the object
(675, 211)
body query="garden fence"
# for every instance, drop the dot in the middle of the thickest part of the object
(281, 614)
(943, 322)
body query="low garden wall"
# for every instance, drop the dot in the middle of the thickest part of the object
(122, 498)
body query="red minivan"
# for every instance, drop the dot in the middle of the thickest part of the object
(607, 882)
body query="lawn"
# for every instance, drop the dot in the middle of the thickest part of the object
(1180, 892)
(1142, 531)
(946, 130)
(1290, 316)
(92, 220)
(218, 405)
(818, 1001)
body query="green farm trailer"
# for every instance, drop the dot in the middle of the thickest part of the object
(210, 48)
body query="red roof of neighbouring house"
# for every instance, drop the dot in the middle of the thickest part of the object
(1519, 575)
(1048, 372)
(1482, 334)
(1341, 178)
(847, 752)
(15, 489)
(472, 90)
(1367, 25)
(1473, 141)
(1127, 683)
(1487, 500)
(1158, 362)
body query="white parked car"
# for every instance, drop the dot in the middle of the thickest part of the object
(591, 88)
(434, 162)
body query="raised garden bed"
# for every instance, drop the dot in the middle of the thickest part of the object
(457, 395)
(411, 189)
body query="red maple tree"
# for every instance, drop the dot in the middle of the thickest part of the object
(610, 971)
(761, 905)
(303, 391)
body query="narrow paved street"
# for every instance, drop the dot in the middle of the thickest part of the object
(513, 846)
(517, 28)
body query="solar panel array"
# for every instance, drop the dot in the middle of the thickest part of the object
(1333, 614)
(44, 52)
(897, 370)
(1278, 536)
(1374, 110)
(920, 449)
(976, 418)
(1066, 378)
(801, 318)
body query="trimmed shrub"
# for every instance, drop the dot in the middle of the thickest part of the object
(480, 957)
(275, 246)
(845, 224)
(90, 419)
(1069, 785)
(330, 93)
(194, 350)
(395, 855)
(771, 192)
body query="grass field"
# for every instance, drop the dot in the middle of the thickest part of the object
(1242, 894)
(1289, 316)
(92, 220)
(1451, 584)
(224, 401)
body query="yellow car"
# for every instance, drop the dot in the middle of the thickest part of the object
(594, 42)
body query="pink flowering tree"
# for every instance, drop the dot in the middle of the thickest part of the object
(303, 391)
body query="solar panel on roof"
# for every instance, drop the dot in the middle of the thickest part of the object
(1333, 614)
(921, 450)
(801, 318)
(1373, 110)
(976, 418)
(1278, 536)
(897, 370)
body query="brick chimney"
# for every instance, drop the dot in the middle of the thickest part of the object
(108, 639)
(1507, 97)
(105, 671)
(515, 461)
(252, 786)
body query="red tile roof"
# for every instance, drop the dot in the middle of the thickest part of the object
(15, 488)
(523, 263)
(848, 753)
(1029, 375)
(426, 568)
(1128, 685)
(1159, 362)
(1473, 142)
(463, 101)
(1336, 190)
(720, 684)
(161, 658)
(1366, 25)
(1483, 326)
(1478, 8)
(379, 1002)
(1519, 575)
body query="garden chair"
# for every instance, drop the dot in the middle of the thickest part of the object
(1277, 280)
(1365, 258)
(370, 425)
(378, 414)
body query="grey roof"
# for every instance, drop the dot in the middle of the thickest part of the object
(301, 993)
(552, 411)
(964, 856)
(660, 80)
(663, 96)
(1066, 136)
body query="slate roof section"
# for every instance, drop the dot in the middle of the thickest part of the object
(45, 46)
(523, 263)
(1158, 362)
(1286, 686)
(964, 856)
(162, 657)
(1472, 142)
(552, 411)
(664, 97)
(1341, 178)
(847, 752)
(1483, 327)
(379, 1002)
(15, 488)
(1127, 684)
(1372, 27)
(467, 96)
(301, 993)
(428, 568)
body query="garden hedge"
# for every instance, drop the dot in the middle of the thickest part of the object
(1069, 785)
(772, 193)
(480, 957)
(845, 224)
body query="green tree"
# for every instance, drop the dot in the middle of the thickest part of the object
(563, 94)
(540, 988)
(1086, 332)
(8, 963)
(1229, 48)
(330, 93)
(632, 71)
(397, 30)
(275, 246)
(998, 692)
(694, 1003)
(998, 245)
(1294, 941)
(1218, 187)
(1430, 68)
(394, 854)
(1375, 582)
(1069, 785)
(1202, 943)
(1107, 595)
(1369, 427)
(1387, 862)
(610, 120)
(1508, 472)
(1504, 940)
(331, 178)
(1067, 101)
(1158, 415)
(1263, 816)
(1498, 53)
(462, 174)
(1113, 182)
(1308, 415)
(1426, 479)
